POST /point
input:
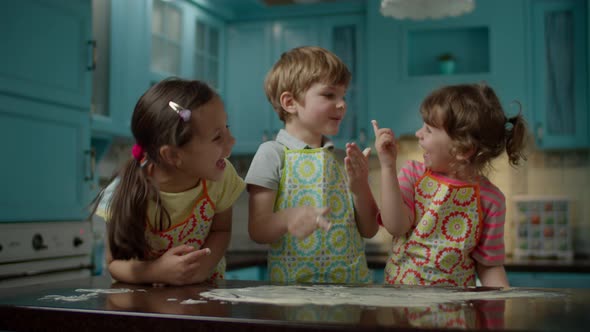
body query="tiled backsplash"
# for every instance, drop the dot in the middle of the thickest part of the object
(545, 173)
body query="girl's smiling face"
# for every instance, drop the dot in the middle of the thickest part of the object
(436, 144)
(203, 157)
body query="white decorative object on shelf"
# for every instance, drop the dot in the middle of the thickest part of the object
(543, 227)
(423, 9)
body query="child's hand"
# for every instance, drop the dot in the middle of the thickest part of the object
(306, 220)
(180, 265)
(385, 145)
(357, 166)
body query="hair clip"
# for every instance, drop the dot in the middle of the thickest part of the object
(139, 154)
(184, 113)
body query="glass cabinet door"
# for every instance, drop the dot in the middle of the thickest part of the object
(166, 38)
(343, 38)
(559, 48)
(207, 53)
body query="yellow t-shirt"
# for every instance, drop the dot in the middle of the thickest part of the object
(223, 194)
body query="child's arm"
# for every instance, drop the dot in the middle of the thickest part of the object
(177, 266)
(366, 209)
(217, 241)
(492, 276)
(266, 226)
(395, 214)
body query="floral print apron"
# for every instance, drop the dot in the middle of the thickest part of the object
(193, 231)
(313, 177)
(437, 250)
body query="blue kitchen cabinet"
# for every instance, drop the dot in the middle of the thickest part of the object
(45, 87)
(257, 272)
(48, 170)
(378, 276)
(403, 68)
(253, 47)
(549, 279)
(345, 36)
(559, 116)
(47, 51)
(185, 40)
(528, 279)
(127, 36)
(248, 59)
(151, 40)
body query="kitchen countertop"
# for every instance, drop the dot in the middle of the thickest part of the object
(239, 259)
(159, 308)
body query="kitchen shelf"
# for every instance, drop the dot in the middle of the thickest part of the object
(470, 47)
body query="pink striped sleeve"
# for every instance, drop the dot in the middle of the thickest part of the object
(490, 250)
(407, 177)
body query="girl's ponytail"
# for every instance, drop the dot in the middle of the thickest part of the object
(516, 133)
(128, 212)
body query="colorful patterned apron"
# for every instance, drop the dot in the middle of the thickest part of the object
(193, 231)
(437, 250)
(448, 315)
(313, 177)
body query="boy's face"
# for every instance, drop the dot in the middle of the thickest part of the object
(321, 111)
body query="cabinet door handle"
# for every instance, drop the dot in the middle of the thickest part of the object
(92, 54)
(92, 162)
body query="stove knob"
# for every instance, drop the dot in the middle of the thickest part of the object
(78, 241)
(38, 242)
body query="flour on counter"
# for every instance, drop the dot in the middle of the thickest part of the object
(89, 293)
(106, 291)
(73, 298)
(191, 301)
(365, 296)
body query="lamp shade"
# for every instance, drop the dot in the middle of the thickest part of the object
(423, 9)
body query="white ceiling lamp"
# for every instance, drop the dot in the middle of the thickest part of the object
(423, 9)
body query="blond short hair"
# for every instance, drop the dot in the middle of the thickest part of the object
(298, 69)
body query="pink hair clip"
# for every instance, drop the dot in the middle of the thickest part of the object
(184, 113)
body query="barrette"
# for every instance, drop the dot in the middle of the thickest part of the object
(184, 113)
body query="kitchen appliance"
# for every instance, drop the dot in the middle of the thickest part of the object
(543, 227)
(35, 252)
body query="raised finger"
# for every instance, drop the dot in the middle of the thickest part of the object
(375, 126)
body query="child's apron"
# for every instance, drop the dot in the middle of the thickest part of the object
(437, 250)
(193, 231)
(313, 177)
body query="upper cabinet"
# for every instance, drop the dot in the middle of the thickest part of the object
(405, 59)
(46, 68)
(248, 60)
(151, 40)
(47, 54)
(559, 74)
(186, 42)
(253, 48)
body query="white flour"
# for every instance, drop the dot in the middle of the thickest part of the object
(364, 296)
(89, 293)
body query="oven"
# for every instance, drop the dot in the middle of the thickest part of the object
(40, 252)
